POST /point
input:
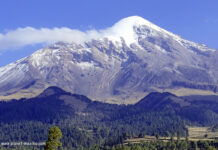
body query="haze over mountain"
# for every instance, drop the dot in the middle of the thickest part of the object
(121, 65)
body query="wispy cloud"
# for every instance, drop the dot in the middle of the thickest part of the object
(28, 36)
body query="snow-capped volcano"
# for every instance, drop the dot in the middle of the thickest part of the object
(119, 64)
(125, 28)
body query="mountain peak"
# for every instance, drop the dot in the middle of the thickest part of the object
(136, 21)
(125, 28)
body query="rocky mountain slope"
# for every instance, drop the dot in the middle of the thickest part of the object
(136, 58)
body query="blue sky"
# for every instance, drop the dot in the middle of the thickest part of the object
(195, 20)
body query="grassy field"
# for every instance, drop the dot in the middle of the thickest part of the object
(146, 139)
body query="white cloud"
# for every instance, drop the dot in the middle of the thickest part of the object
(29, 36)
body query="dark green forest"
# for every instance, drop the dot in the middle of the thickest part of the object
(95, 125)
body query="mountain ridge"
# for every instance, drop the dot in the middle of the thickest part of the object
(60, 104)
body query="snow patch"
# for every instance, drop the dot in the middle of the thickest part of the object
(85, 65)
(13, 71)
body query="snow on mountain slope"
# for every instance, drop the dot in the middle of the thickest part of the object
(121, 64)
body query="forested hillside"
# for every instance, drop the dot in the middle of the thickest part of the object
(86, 123)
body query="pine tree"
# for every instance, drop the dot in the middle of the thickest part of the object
(53, 139)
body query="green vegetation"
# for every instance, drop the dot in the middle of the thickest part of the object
(214, 128)
(53, 139)
(86, 131)
(161, 145)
